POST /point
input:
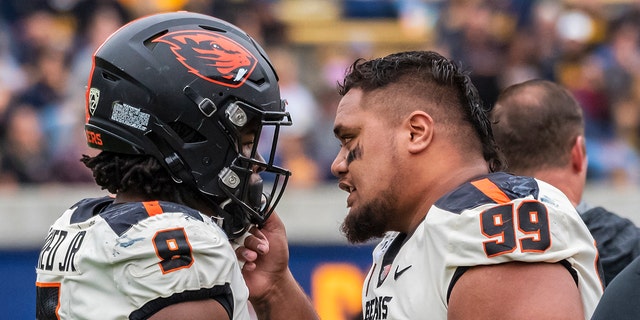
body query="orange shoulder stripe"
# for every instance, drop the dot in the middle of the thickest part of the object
(153, 208)
(491, 190)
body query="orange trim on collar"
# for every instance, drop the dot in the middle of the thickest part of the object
(153, 208)
(491, 190)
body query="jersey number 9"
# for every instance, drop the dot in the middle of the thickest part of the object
(173, 249)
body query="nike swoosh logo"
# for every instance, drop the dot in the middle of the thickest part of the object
(397, 273)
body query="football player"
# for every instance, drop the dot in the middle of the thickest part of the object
(176, 103)
(460, 240)
(540, 128)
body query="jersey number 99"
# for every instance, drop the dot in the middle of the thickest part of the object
(502, 223)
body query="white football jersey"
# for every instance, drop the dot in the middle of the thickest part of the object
(497, 219)
(126, 261)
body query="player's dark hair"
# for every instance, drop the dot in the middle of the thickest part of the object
(533, 116)
(141, 175)
(435, 78)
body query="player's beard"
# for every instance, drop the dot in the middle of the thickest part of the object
(371, 220)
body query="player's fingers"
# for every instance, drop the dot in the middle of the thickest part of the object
(249, 266)
(257, 242)
(246, 255)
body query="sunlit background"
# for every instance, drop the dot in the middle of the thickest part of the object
(592, 47)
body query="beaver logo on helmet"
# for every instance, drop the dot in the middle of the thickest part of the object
(211, 56)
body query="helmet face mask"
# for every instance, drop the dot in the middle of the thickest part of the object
(243, 181)
(194, 92)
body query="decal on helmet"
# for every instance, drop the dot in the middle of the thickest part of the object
(130, 116)
(93, 138)
(211, 56)
(94, 97)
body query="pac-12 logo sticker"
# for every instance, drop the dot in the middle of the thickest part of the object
(211, 56)
(94, 98)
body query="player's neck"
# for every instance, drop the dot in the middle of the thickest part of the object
(559, 178)
(443, 183)
(123, 197)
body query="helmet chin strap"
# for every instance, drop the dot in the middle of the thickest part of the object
(234, 216)
(256, 198)
(228, 214)
(232, 219)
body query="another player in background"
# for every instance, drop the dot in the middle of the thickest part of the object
(540, 128)
(619, 300)
(460, 240)
(176, 103)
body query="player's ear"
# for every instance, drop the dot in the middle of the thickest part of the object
(579, 155)
(420, 126)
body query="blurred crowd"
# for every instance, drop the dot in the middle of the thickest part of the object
(592, 47)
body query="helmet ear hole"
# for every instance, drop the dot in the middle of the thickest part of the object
(186, 133)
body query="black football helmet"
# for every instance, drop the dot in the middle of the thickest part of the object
(187, 89)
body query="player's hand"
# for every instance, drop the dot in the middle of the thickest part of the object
(273, 292)
(265, 255)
